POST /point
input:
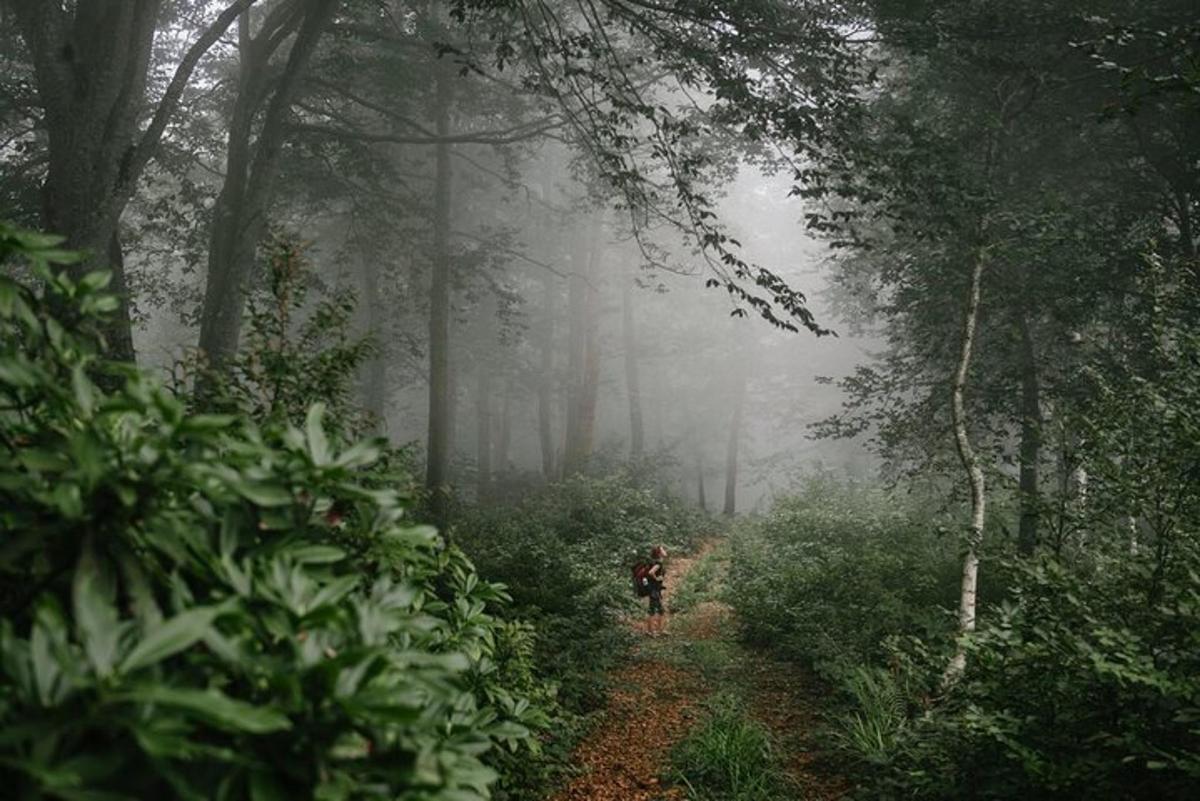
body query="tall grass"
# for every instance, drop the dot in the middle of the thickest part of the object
(730, 757)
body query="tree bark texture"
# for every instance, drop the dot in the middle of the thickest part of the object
(971, 467)
(1031, 444)
(252, 164)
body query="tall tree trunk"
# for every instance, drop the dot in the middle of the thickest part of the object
(1031, 444)
(252, 164)
(503, 431)
(483, 431)
(629, 336)
(971, 466)
(545, 394)
(441, 397)
(576, 304)
(120, 331)
(91, 60)
(731, 446)
(700, 485)
(584, 357)
(373, 376)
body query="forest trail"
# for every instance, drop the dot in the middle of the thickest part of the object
(659, 696)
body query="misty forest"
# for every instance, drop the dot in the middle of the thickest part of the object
(599, 400)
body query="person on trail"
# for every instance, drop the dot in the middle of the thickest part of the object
(657, 576)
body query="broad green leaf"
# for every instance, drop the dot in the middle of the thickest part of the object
(359, 454)
(172, 636)
(318, 443)
(316, 554)
(214, 707)
(94, 595)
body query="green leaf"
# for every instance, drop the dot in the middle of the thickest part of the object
(333, 592)
(316, 554)
(265, 495)
(359, 454)
(172, 636)
(93, 594)
(318, 443)
(214, 707)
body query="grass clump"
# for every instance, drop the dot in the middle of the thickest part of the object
(704, 582)
(730, 757)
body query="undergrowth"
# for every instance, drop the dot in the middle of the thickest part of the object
(729, 757)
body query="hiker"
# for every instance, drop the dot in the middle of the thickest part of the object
(656, 576)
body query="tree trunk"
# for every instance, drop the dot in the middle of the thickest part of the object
(440, 390)
(1031, 444)
(972, 468)
(120, 333)
(576, 304)
(731, 447)
(584, 361)
(252, 163)
(545, 397)
(373, 376)
(483, 431)
(700, 485)
(91, 60)
(503, 431)
(629, 335)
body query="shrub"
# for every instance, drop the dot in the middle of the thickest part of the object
(831, 572)
(1075, 687)
(185, 619)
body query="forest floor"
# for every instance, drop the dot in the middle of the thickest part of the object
(660, 696)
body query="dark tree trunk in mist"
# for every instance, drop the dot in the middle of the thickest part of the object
(629, 335)
(545, 388)
(252, 163)
(441, 395)
(584, 359)
(733, 443)
(91, 61)
(700, 485)
(503, 431)
(483, 432)
(1031, 444)
(374, 371)
(971, 466)
(120, 332)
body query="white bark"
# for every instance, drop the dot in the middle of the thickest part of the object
(972, 468)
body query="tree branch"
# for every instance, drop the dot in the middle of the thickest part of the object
(148, 144)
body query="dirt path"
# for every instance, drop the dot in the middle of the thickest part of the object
(651, 707)
(659, 696)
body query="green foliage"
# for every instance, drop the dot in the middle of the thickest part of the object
(197, 606)
(829, 573)
(565, 555)
(704, 582)
(1075, 687)
(729, 757)
(296, 352)
(872, 729)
